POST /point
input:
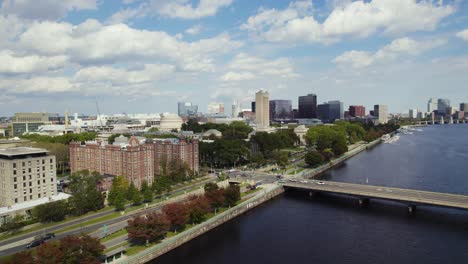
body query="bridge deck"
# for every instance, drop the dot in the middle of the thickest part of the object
(414, 197)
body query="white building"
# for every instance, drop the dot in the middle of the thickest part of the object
(432, 105)
(413, 113)
(215, 108)
(262, 110)
(170, 122)
(381, 112)
(236, 109)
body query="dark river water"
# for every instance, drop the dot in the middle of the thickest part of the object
(295, 228)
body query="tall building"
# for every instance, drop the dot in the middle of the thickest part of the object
(186, 109)
(381, 112)
(253, 107)
(215, 108)
(136, 161)
(432, 105)
(262, 110)
(442, 105)
(280, 109)
(28, 122)
(236, 109)
(413, 113)
(308, 106)
(27, 174)
(357, 111)
(331, 111)
(464, 107)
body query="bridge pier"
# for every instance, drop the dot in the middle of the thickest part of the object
(411, 209)
(363, 202)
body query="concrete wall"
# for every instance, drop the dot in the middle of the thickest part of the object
(184, 237)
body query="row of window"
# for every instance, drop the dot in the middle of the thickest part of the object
(25, 198)
(30, 162)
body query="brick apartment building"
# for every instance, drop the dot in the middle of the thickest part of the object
(136, 160)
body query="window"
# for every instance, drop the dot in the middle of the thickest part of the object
(51, 179)
(24, 178)
(30, 197)
(30, 177)
(43, 161)
(16, 200)
(43, 168)
(24, 198)
(14, 172)
(29, 170)
(24, 163)
(51, 161)
(38, 182)
(39, 196)
(24, 184)
(16, 186)
(14, 179)
(29, 163)
(30, 183)
(30, 190)
(14, 165)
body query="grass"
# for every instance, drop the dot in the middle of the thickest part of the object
(90, 222)
(250, 192)
(119, 233)
(137, 249)
(116, 246)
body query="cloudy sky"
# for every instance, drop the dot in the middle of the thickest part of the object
(145, 55)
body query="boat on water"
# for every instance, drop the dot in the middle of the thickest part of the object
(385, 137)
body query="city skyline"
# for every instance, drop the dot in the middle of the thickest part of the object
(65, 56)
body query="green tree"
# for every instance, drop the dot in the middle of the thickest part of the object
(118, 193)
(85, 196)
(328, 154)
(132, 191)
(313, 159)
(147, 192)
(339, 146)
(232, 195)
(51, 212)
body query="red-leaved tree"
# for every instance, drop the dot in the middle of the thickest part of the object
(149, 228)
(177, 214)
(198, 207)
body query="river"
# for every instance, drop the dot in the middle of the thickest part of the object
(295, 228)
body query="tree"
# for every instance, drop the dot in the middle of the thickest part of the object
(132, 192)
(147, 192)
(118, 193)
(339, 146)
(232, 195)
(313, 158)
(328, 154)
(214, 195)
(50, 252)
(149, 228)
(23, 257)
(86, 197)
(51, 212)
(81, 249)
(12, 224)
(198, 208)
(177, 214)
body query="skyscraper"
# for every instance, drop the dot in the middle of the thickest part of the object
(262, 110)
(186, 108)
(331, 111)
(432, 105)
(280, 109)
(381, 112)
(464, 107)
(357, 111)
(442, 105)
(413, 113)
(236, 108)
(308, 106)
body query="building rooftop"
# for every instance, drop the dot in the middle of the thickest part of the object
(11, 152)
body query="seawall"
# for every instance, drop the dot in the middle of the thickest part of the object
(316, 171)
(173, 242)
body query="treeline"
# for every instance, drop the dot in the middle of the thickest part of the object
(71, 249)
(154, 226)
(64, 139)
(235, 130)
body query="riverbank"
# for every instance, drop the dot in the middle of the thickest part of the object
(270, 191)
(311, 173)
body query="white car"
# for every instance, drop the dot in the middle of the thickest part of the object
(320, 183)
(304, 182)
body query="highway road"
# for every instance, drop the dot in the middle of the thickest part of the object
(412, 197)
(85, 229)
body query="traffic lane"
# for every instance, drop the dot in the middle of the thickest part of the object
(57, 227)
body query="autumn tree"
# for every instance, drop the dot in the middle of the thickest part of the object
(81, 249)
(177, 214)
(23, 257)
(50, 252)
(214, 194)
(149, 228)
(198, 206)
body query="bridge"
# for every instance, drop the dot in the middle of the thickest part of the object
(365, 192)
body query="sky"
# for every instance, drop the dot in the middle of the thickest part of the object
(143, 56)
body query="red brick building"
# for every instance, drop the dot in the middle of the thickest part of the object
(137, 161)
(357, 111)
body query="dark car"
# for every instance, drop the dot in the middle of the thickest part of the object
(35, 243)
(48, 236)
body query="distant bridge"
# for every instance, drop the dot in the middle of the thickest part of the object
(365, 192)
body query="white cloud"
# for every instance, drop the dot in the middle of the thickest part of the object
(246, 67)
(463, 34)
(194, 30)
(184, 9)
(44, 9)
(397, 48)
(93, 43)
(121, 76)
(41, 84)
(13, 64)
(357, 19)
(127, 14)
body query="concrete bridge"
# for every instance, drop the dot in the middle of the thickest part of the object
(366, 192)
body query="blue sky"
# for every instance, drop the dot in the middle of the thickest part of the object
(145, 55)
